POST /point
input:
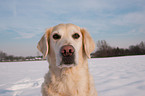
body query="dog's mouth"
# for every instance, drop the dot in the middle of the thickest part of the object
(68, 56)
(68, 60)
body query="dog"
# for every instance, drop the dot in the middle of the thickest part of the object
(67, 48)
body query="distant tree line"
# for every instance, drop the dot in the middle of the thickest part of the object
(105, 50)
(9, 58)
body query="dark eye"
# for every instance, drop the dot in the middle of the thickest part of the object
(56, 36)
(76, 36)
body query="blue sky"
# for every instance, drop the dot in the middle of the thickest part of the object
(23, 22)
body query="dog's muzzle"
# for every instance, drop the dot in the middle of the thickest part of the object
(67, 53)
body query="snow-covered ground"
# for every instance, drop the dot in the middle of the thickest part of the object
(118, 76)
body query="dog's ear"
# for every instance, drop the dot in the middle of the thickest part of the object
(88, 43)
(43, 44)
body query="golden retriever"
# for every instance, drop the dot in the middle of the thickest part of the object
(67, 47)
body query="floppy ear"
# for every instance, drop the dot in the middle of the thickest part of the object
(43, 44)
(88, 42)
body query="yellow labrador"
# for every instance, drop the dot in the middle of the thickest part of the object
(67, 47)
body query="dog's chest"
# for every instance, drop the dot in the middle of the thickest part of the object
(69, 86)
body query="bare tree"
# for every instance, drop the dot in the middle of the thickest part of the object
(103, 45)
(103, 49)
(2, 55)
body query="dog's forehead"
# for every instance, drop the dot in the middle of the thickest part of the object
(63, 28)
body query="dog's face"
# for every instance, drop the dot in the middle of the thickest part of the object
(65, 41)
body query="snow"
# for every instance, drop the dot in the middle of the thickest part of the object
(117, 76)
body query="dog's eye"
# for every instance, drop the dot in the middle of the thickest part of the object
(76, 36)
(56, 36)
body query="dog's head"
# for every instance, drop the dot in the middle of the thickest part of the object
(64, 44)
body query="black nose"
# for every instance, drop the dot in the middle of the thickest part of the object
(67, 50)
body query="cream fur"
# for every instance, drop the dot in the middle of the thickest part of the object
(72, 81)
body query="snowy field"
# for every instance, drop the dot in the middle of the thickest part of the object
(118, 76)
